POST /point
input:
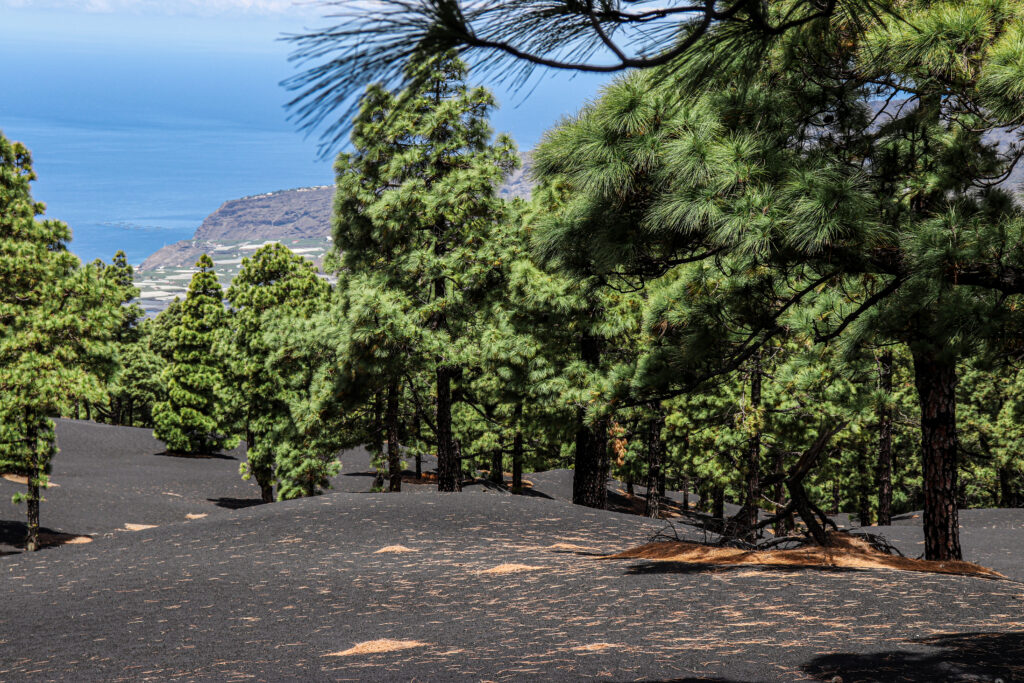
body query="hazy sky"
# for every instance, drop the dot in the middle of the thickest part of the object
(122, 61)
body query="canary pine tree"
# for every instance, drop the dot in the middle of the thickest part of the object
(57, 318)
(414, 206)
(271, 279)
(193, 418)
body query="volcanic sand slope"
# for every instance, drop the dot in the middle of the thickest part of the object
(299, 590)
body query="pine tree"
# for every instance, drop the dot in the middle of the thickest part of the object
(413, 209)
(658, 180)
(272, 279)
(193, 419)
(57, 318)
(130, 349)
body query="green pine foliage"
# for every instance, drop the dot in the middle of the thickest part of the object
(194, 417)
(58, 318)
(273, 280)
(414, 210)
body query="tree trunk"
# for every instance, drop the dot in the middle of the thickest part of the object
(935, 378)
(884, 468)
(655, 466)
(264, 475)
(590, 473)
(391, 420)
(718, 502)
(419, 455)
(517, 452)
(497, 471)
(32, 538)
(448, 467)
(686, 493)
(864, 481)
(780, 527)
(752, 476)
(1007, 496)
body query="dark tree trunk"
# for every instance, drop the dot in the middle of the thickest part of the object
(864, 485)
(497, 469)
(686, 493)
(32, 538)
(630, 490)
(517, 452)
(448, 467)
(752, 477)
(935, 378)
(590, 474)
(655, 465)
(718, 502)
(884, 469)
(419, 455)
(1007, 496)
(264, 475)
(391, 425)
(780, 527)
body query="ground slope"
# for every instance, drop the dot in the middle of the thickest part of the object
(466, 586)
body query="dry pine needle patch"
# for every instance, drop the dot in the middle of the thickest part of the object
(394, 549)
(596, 647)
(19, 479)
(846, 551)
(371, 647)
(511, 569)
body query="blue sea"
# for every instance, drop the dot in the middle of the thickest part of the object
(139, 188)
(141, 125)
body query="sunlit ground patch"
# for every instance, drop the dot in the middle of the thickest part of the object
(511, 569)
(371, 647)
(19, 479)
(847, 552)
(394, 549)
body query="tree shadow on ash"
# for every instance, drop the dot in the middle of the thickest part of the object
(235, 503)
(14, 534)
(668, 567)
(986, 657)
(198, 456)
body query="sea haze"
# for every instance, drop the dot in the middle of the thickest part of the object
(141, 126)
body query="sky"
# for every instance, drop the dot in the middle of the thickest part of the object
(108, 62)
(143, 116)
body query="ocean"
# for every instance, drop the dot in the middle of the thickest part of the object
(139, 188)
(141, 125)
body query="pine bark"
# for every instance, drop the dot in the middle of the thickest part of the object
(590, 474)
(936, 379)
(718, 502)
(497, 471)
(655, 466)
(448, 466)
(264, 475)
(517, 452)
(391, 426)
(884, 467)
(1007, 496)
(32, 538)
(752, 480)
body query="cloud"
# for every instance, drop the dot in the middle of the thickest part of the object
(174, 7)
